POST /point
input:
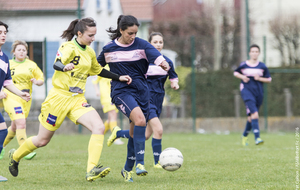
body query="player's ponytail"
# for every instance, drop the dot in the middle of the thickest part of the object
(77, 25)
(123, 22)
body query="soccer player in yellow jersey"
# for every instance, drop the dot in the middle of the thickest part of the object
(107, 105)
(24, 73)
(75, 61)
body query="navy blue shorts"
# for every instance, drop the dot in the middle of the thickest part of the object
(252, 102)
(126, 102)
(1, 118)
(156, 105)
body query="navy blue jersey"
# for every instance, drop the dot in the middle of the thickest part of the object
(5, 77)
(156, 76)
(253, 86)
(132, 59)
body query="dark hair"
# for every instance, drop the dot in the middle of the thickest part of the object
(124, 21)
(154, 34)
(78, 25)
(5, 25)
(254, 46)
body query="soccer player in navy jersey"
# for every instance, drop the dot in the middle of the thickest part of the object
(128, 54)
(6, 82)
(253, 74)
(156, 78)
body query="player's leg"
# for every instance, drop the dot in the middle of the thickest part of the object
(112, 118)
(157, 128)
(130, 159)
(3, 133)
(42, 139)
(253, 109)
(96, 126)
(246, 132)
(10, 135)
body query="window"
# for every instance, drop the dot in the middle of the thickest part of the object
(98, 5)
(35, 53)
(109, 6)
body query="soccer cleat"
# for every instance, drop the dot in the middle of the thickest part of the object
(30, 156)
(96, 172)
(13, 165)
(245, 141)
(259, 141)
(140, 170)
(2, 153)
(118, 142)
(127, 175)
(157, 166)
(113, 135)
(2, 179)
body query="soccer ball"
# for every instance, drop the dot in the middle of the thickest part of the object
(171, 159)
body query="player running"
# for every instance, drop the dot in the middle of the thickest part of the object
(128, 54)
(156, 78)
(75, 61)
(6, 82)
(252, 74)
(24, 73)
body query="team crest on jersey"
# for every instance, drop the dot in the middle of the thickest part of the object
(122, 108)
(18, 110)
(51, 119)
(136, 54)
(85, 104)
(58, 54)
(113, 57)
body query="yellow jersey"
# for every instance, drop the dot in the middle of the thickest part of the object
(22, 72)
(85, 64)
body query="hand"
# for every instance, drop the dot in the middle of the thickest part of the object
(3, 95)
(69, 67)
(245, 79)
(98, 94)
(25, 96)
(165, 65)
(174, 85)
(34, 81)
(125, 78)
(256, 77)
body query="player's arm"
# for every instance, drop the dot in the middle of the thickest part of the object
(262, 79)
(241, 76)
(108, 74)
(24, 95)
(59, 66)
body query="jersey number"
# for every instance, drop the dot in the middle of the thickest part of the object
(76, 59)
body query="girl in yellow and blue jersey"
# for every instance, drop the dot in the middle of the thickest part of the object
(24, 73)
(74, 62)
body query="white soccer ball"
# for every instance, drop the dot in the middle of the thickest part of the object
(171, 159)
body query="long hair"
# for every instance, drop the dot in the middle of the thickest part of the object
(154, 34)
(77, 25)
(124, 21)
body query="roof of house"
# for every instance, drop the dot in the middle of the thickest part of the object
(142, 10)
(38, 5)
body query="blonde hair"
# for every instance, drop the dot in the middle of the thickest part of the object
(19, 42)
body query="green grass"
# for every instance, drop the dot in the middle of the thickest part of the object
(210, 162)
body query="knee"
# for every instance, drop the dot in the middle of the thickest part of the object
(42, 143)
(140, 121)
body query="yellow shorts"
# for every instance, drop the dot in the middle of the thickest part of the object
(16, 107)
(60, 104)
(105, 98)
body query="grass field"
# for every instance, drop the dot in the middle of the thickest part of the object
(210, 162)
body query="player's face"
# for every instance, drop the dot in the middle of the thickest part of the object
(158, 42)
(129, 34)
(88, 36)
(3, 32)
(254, 53)
(20, 52)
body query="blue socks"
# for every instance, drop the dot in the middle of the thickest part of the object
(130, 155)
(255, 127)
(139, 143)
(123, 134)
(247, 129)
(156, 147)
(3, 134)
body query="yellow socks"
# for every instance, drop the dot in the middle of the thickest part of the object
(21, 135)
(106, 125)
(9, 137)
(112, 124)
(94, 150)
(25, 148)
